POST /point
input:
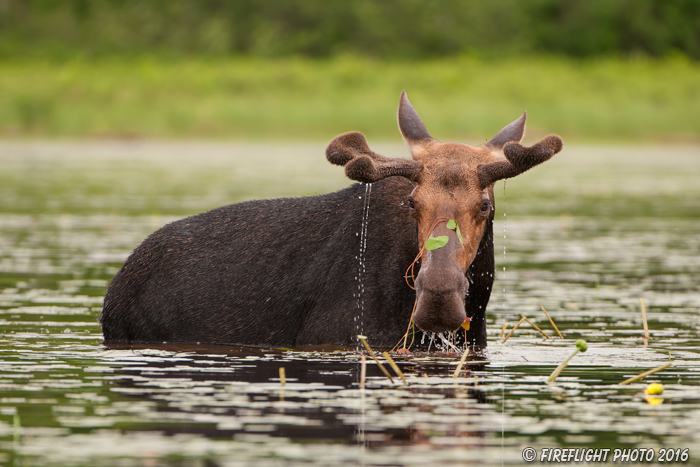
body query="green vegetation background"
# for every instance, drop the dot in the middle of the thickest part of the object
(591, 70)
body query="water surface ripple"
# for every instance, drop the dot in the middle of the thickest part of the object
(588, 236)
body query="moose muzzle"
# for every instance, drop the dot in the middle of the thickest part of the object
(441, 287)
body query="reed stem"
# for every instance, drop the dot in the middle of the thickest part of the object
(581, 346)
(363, 339)
(644, 321)
(647, 373)
(551, 321)
(534, 326)
(513, 330)
(395, 367)
(461, 363)
(283, 376)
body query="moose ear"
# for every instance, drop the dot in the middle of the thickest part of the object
(364, 165)
(513, 132)
(410, 124)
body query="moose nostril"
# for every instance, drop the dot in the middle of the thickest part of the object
(439, 312)
(445, 281)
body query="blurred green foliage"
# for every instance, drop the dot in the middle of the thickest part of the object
(592, 70)
(464, 99)
(387, 29)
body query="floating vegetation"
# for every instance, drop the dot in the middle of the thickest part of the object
(551, 321)
(534, 325)
(363, 339)
(644, 322)
(517, 325)
(395, 367)
(461, 363)
(581, 346)
(641, 376)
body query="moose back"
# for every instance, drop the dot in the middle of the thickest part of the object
(322, 269)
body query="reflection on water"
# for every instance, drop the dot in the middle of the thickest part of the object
(67, 400)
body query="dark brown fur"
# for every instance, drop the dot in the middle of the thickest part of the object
(285, 271)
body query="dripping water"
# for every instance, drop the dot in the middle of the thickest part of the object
(360, 317)
(503, 387)
(432, 338)
(446, 340)
(359, 278)
(504, 246)
(443, 342)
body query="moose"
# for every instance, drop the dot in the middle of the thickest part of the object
(284, 272)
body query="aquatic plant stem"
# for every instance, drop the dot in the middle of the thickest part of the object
(647, 373)
(557, 371)
(534, 326)
(363, 371)
(283, 376)
(551, 321)
(395, 367)
(405, 336)
(644, 322)
(461, 363)
(363, 339)
(513, 330)
(581, 346)
(503, 329)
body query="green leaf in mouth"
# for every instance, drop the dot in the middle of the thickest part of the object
(452, 225)
(433, 243)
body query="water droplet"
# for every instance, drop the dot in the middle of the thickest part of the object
(361, 257)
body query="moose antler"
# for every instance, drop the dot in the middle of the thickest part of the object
(519, 159)
(364, 165)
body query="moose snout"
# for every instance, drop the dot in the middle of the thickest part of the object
(440, 300)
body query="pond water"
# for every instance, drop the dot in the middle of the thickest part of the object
(587, 235)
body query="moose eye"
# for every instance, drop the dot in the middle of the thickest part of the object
(485, 208)
(411, 204)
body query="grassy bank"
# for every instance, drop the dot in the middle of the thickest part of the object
(295, 99)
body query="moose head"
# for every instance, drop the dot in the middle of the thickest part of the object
(453, 199)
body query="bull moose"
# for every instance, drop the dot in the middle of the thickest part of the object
(321, 269)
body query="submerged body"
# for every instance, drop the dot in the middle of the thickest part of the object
(283, 272)
(317, 270)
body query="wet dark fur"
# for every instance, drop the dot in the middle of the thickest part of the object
(281, 273)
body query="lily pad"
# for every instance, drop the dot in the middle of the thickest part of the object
(433, 243)
(452, 225)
